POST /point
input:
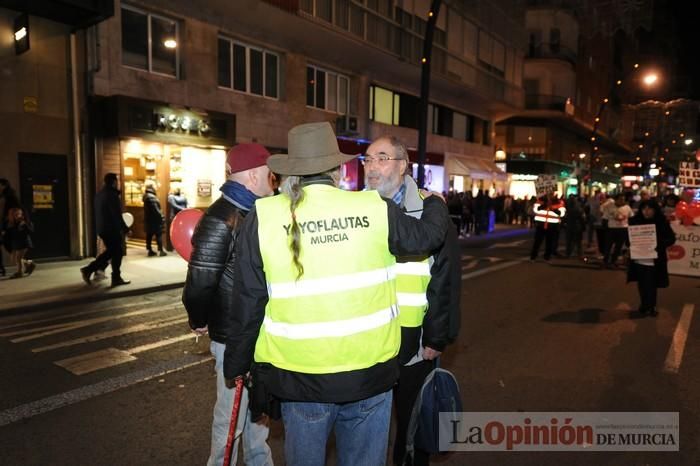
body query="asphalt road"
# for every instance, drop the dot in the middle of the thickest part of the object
(123, 383)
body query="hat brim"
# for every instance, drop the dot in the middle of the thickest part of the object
(284, 165)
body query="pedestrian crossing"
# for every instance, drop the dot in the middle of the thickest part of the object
(472, 262)
(93, 338)
(73, 340)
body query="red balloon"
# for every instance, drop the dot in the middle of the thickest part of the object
(182, 229)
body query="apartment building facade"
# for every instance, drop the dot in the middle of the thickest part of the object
(572, 125)
(169, 86)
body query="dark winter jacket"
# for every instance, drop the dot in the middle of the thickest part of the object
(108, 213)
(665, 237)
(208, 292)
(406, 236)
(152, 214)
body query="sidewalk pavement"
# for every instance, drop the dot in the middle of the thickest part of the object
(60, 283)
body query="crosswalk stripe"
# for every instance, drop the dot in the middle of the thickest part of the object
(77, 395)
(470, 265)
(680, 336)
(109, 357)
(68, 326)
(113, 333)
(21, 320)
(494, 268)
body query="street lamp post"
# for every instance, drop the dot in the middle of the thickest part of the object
(425, 88)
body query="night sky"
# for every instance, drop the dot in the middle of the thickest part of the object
(689, 45)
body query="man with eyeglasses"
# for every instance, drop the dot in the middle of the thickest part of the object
(428, 288)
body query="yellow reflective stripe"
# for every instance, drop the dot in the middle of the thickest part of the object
(323, 286)
(540, 218)
(413, 268)
(338, 328)
(411, 299)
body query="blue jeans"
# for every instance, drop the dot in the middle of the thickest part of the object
(361, 431)
(256, 451)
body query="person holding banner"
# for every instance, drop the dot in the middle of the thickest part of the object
(648, 264)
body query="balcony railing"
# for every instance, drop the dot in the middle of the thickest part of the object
(552, 51)
(545, 102)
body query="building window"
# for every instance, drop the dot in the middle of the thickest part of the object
(150, 42)
(248, 69)
(327, 90)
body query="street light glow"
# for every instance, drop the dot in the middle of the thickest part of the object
(170, 43)
(688, 142)
(21, 34)
(582, 155)
(617, 165)
(650, 79)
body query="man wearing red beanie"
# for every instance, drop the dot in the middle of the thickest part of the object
(207, 295)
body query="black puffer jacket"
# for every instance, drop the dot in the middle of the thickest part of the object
(209, 287)
(152, 213)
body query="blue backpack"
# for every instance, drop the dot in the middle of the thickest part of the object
(439, 393)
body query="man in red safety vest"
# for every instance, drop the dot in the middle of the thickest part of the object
(549, 211)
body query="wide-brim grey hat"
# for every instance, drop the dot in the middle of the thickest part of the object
(312, 149)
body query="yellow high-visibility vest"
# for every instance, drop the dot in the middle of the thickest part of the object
(341, 314)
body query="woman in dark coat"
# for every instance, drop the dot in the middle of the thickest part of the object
(153, 220)
(651, 274)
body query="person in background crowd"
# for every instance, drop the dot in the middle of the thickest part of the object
(111, 229)
(592, 210)
(454, 206)
(617, 231)
(651, 274)
(481, 213)
(18, 237)
(467, 214)
(531, 211)
(508, 210)
(316, 299)
(575, 224)
(177, 202)
(549, 212)
(427, 287)
(669, 206)
(607, 211)
(8, 200)
(208, 294)
(153, 220)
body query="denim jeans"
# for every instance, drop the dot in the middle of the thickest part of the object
(361, 431)
(256, 451)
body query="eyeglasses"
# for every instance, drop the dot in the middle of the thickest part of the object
(380, 159)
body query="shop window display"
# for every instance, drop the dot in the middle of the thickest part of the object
(197, 172)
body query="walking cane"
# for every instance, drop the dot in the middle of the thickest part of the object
(234, 420)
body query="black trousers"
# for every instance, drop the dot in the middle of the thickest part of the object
(158, 234)
(601, 234)
(411, 379)
(646, 285)
(113, 253)
(574, 238)
(617, 237)
(549, 235)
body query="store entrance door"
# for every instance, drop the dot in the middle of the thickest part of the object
(44, 193)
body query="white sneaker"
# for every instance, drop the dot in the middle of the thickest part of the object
(99, 275)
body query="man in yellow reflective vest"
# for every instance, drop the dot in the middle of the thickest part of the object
(428, 288)
(316, 298)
